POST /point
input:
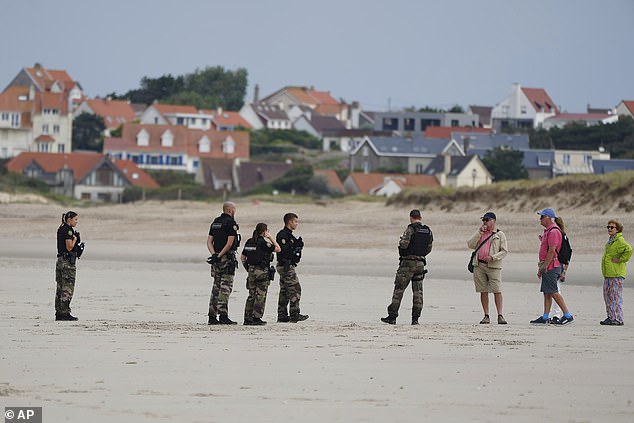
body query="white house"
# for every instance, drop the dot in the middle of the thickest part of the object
(523, 108)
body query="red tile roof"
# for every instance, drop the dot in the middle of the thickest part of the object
(232, 119)
(540, 100)
(185, 140)
(174, 109)
(81, 163)
(45, 138)
(332, 179)
(10, 99)
(135, 175)
(44, 79)
(444, 132)
(629, 105)
(113, 112)
(367, 182)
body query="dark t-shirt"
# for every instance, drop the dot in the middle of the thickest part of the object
(64, 232)
(221, 229)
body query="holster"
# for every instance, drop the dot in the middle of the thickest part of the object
(271, 273)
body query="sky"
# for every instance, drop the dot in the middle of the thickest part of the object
(385, 54)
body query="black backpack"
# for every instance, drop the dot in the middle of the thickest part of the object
(565, 253)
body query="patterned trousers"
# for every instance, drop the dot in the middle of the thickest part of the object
(408, 270)
(65, 278)
(258, 286)
(290, 292)
(222, 274)
(613, 297)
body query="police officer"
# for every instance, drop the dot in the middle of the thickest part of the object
(287, 260)
(69, 249)
(257, 256)
(414, 245)
(222, 243)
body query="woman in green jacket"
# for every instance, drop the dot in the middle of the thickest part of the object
(615, 255)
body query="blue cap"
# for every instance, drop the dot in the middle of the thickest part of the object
(489, 215)
(547, 212)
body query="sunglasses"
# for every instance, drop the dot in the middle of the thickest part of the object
(611, 227)
(542, 216)
(486, 219)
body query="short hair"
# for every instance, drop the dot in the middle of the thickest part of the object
(228, 205)
(617, 223)
(415, 214)
(288, 217)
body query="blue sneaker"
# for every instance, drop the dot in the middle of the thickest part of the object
(540, 321)
(565, 320)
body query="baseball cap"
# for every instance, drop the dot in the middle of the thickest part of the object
(548, 212)
(489, 215)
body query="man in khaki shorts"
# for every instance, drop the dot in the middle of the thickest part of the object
(487, 262)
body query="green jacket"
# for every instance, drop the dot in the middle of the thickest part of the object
(619, 249)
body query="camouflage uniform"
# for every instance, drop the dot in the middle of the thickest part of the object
(222, 274)
(257, 284)
(290, 292)
(65, 278)
(414, 245)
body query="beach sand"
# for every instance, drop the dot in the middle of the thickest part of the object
(142, 351)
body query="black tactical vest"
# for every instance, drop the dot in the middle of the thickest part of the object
(257, 252)
(420, 243)
(221, 228)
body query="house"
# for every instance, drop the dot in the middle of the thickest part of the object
(223, 120)
(321, 102)
(326, 128)
(400, 154)
(32, 120)
(175, 147)
(48, 80)
(459, 171)
(263, 116)
(547, 164)
(587, 119)
(415, 123)
(625, 108)
(608, 166)
(523, 108)
(238, 175)
(174, 114)
(483, 113)
(85, 176)
(386, 184)
(113, 112)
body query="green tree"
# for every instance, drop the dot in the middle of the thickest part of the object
(456, 109)
(505, 164)
(87, 132)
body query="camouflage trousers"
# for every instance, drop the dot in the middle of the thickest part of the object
(65, 278)
(222, 274)
(258, 285)
(290, 292)
(408, 270)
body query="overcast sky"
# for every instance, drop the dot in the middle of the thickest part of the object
(381, 53)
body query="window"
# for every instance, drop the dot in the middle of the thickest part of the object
(143, 138)
(454, 122)
(365, 151)
(60, 148)
(56, 129)
(587, 159)
(180, 120)
(204, 145)
(424, 123)
(193, 121)
(45, 128)
(5, 116)
(567, 159)
(408, 124)
(42, 147)
(167, 139)
(229, 146)
(390, 124)
(419, 168)
(15, 120)
(104, 176)
(523, 109)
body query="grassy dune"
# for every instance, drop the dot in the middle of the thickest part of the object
(590, 193)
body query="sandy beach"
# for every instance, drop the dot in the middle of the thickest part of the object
(142, 351)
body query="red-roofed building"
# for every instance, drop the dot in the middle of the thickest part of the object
(625, 108)
(523, 108)
(47, 80)
(175, 147)
(86, 176)
(332, 180)
(386, 184)
(33, 120)
(113, 112)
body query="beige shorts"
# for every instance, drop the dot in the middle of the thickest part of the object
(487, 279)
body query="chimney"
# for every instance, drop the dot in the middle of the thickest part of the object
(447, 167)
(256, 94)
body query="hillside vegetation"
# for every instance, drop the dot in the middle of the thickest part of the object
(588, 193)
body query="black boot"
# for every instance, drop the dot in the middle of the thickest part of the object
(212, 320)
(65, 317)
(297, 318)
(391, 319)
(224, 320)
(255, 322)
(283, 319)
(414, 320)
